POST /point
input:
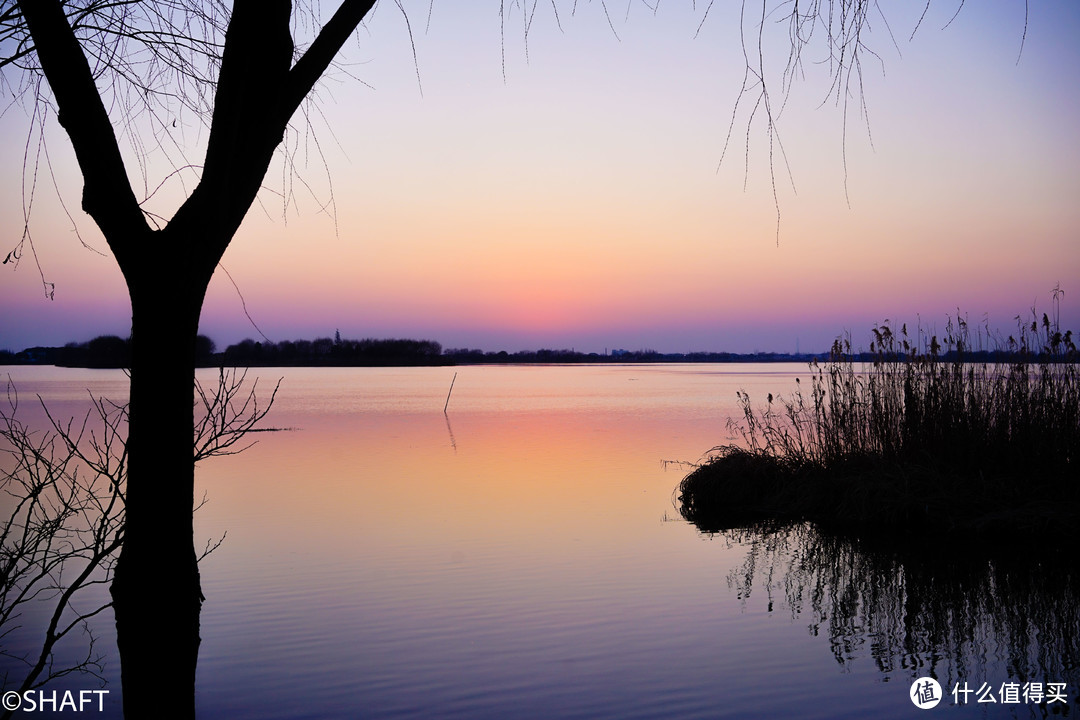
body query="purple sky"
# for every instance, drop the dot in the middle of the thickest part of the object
(582, 203)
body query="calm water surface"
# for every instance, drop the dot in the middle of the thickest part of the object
(522, 556)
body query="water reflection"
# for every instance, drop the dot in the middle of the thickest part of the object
(509, 559)
(950, 615)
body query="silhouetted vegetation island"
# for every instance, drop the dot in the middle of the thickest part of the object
(918, 443)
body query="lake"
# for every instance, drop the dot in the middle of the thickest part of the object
(522, 556)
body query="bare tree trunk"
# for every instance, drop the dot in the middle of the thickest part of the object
(156, 587)
(156, 592)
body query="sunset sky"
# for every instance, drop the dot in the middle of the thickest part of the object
(581, 200)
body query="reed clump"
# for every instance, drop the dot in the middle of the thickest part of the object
(918, 434)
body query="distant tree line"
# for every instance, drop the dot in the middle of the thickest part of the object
(104, 351)
(464, 356)
(111, 351)
(334, 352)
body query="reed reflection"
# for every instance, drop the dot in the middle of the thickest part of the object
(953, 616)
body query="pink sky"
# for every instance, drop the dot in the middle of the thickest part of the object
(580, 204)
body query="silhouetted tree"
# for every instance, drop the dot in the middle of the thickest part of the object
(258, 85)
(204, 350)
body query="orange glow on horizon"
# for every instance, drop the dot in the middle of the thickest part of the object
(582, 199)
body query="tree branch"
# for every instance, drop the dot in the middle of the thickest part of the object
(314, 62)
(246, 128)
(107, 193)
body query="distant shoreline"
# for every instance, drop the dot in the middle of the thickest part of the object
(411, 353)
